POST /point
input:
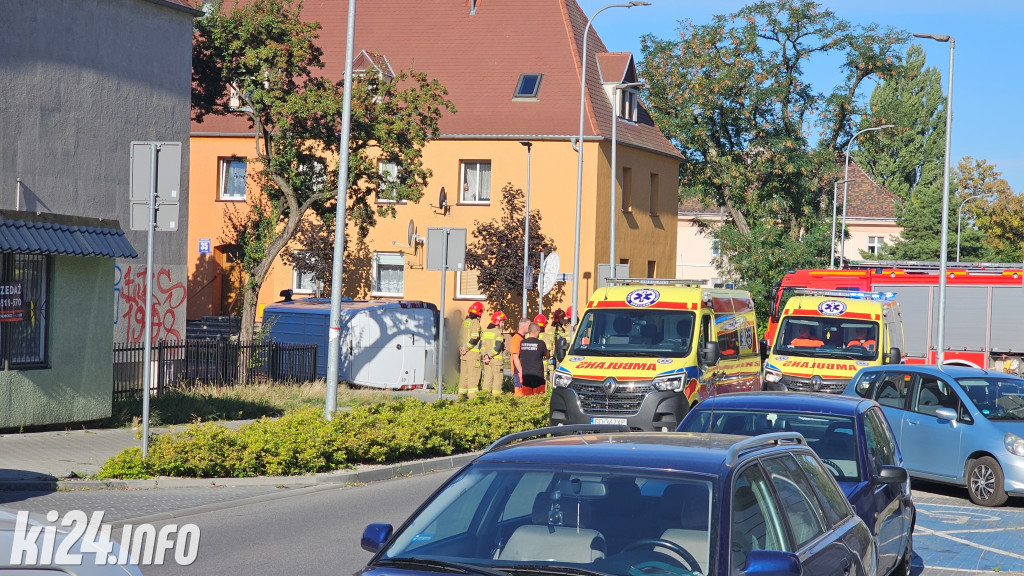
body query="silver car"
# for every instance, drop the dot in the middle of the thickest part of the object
(954, 424)
(43, 562)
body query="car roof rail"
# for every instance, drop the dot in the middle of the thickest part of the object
(565, 430)
(754, 442)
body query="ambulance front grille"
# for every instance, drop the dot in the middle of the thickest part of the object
(627, 398)
(804, 385)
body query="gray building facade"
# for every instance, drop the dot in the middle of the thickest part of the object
(83, 79)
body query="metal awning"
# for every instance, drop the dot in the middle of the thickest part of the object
(44, 233)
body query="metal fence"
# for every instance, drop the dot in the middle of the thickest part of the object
(212, 362)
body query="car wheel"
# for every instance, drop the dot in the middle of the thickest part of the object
(905, 567)
(985, 482)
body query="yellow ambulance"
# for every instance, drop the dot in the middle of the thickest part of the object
(648, 349)
(825, 336)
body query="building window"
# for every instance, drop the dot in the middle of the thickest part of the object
(387, 192)
(875, 244)
(467, 285)
(716, 247)
(303, 281)
(652, 268)
(528, 86)
(24, 303)
(232, 179)
(654, 194)
(476, 182)
(388, 274)
(627, 189)
(628, 102)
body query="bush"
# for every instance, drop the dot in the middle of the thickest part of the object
(304, 442)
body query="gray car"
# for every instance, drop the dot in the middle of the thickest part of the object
(954, 424)
(75, 543)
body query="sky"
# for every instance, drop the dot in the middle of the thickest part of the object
(988, 59)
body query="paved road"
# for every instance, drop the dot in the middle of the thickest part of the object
(275, 530)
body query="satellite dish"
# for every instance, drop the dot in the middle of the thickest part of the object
(442, 201)
(411, 234)
(549, 273)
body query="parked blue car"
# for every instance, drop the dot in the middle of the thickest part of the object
(581, 503)
(954, 424)
(852, 438)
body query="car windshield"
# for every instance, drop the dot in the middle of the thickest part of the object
(831, 437)
(560, 520)
(997, 398)
(827, 337)
(635, 332)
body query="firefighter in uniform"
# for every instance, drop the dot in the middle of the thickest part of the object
(469, 350)
(548, 338)
(492, 345)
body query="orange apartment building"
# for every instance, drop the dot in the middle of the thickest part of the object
(513, 71)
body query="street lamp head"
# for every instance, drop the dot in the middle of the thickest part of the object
(526, 143)
(936, 37)
(638, 3)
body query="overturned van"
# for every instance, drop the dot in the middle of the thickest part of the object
(646, 350)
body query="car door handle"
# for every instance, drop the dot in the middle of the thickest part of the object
(913, 422)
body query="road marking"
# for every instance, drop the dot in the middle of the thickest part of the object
(928, 532)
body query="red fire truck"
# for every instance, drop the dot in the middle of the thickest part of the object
(984, 307)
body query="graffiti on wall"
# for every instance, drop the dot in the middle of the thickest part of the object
(130, 303)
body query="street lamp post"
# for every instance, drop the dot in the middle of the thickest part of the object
(579, 156)
(958, 210)
(616, 89)
(943, 248)
(526, 225)
(835, 204)
(846, 185)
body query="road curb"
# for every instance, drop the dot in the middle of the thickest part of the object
(360, 475)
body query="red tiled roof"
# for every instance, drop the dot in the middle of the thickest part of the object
(180, 4)
(479, 59)
(865, 198)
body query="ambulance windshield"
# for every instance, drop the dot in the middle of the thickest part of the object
(828, 337)
(635, 332)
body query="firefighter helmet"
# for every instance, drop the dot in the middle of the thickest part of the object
(558, 317)
(498, 317)
(476, 308)
(541, 320)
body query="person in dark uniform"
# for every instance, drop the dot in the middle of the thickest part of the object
(532, 353)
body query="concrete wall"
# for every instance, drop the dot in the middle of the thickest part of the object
(79, 383)
(82, 79)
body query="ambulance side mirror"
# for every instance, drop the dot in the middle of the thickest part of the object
(893, 357)
(763, 346)
(710, 354)
(560, 347)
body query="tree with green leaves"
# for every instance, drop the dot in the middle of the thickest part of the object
(733, 97)
(497, 253)
(263, 54)
(992, 227)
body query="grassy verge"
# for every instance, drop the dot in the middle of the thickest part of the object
(303, 442)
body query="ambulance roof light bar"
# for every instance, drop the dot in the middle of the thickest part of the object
(654, 282)
(854, 294)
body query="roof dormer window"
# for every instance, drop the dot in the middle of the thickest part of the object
(629, 99)
(528, 86)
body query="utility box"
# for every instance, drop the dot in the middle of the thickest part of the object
(384, 344)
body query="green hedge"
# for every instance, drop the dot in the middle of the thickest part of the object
(304, 442)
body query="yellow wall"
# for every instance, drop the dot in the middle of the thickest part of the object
(640, 236)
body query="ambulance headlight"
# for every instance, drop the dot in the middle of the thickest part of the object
(1014, 444)
(772, 375)
(561, 380)
(672, 383)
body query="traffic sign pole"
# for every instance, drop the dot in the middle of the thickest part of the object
(147, 354)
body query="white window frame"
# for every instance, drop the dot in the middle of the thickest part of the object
(297, 277)
(389, 173)
(388, 259)
(629, 99)
(466, 166)
(875, 244)
(458, 289)
(225, 174)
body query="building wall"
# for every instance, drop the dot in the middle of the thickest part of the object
(640, 236)
(79, 383)
(694, 250)
(860, 230)
(82, 80)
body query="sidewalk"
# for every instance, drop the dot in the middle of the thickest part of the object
(65, 460)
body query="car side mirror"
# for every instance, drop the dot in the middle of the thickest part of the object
(893, 357)
(561, 345)
(772, 563)
(710, 354)
(945, 414)
(892, 475)
(375, 536)
(763, 347)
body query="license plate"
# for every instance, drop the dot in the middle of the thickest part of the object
(608, 421)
